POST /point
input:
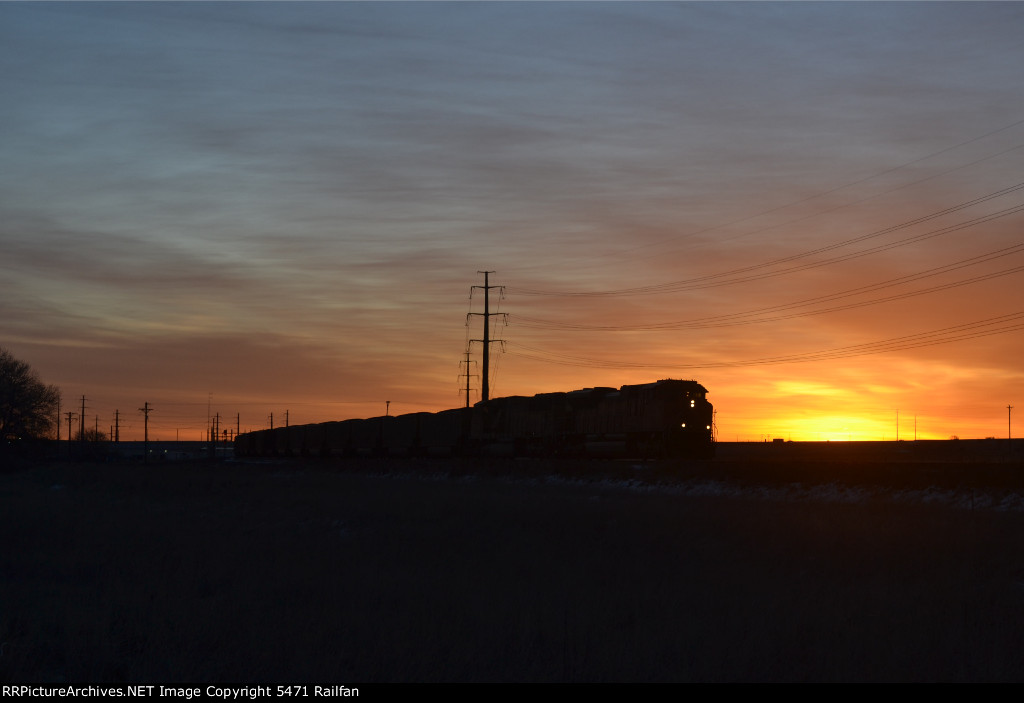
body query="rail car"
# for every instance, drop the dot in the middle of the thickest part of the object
(669, 418)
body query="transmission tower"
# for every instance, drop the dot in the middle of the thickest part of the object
(468, 375)
(485, 387)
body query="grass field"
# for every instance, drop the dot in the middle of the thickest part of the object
(305, 573)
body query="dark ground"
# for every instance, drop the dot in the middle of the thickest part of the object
(401, 572)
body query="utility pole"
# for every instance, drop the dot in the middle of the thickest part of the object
(271, 420)
(1009, 428)
(117, 426)
(71, 416)
(238, 424)
(485, 386)
(468, 375)
(286, 418)
(81, 421)
(58, 420)
(145, 410)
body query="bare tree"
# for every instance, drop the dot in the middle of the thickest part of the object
(28, 407)
(91, 435)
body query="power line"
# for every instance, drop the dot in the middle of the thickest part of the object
(622, 252)
(714, 280)
(972, 330)
(738, 318)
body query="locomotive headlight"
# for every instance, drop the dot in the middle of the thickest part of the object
(683, 425)
(709, 427)
(693, 403)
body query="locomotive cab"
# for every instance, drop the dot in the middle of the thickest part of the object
(687, 419)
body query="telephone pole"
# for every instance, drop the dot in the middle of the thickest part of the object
(145, 410)
(485, 386)
(81, 421)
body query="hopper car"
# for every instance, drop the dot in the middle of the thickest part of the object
(668, 419)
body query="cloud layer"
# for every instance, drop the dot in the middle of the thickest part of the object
(285, 205)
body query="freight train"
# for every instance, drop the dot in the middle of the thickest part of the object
(666, 419)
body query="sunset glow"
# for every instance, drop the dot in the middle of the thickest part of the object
(252, 209)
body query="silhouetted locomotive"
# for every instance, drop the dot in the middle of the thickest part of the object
(665, 419)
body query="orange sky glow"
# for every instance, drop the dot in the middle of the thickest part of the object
(814, 209)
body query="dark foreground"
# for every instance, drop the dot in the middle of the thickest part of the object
(290, 573)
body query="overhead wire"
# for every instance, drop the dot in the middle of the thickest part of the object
(619, 253)
(713, 280)
(972, 330)
(757, 272)
(819, 213)
(738, 318)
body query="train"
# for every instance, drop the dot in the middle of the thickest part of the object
(665, 419)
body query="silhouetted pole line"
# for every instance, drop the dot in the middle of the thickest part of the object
(117, 426)
(485, 386)
(81, 423)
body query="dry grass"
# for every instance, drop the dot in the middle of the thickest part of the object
(289, 573)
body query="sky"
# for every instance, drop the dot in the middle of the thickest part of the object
(814, 209)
